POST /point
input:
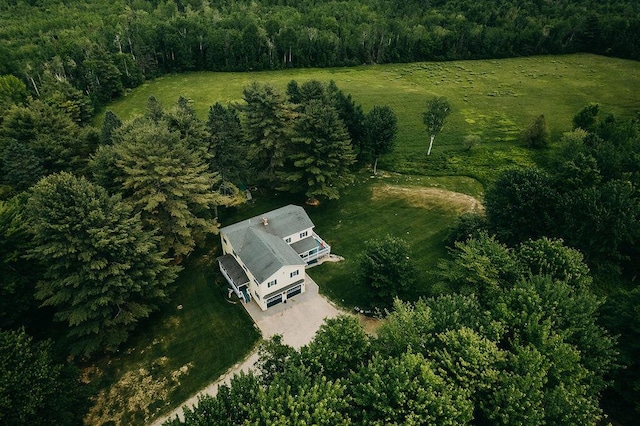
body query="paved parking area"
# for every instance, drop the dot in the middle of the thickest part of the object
(298, 319)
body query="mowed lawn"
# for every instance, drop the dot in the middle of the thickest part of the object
(418, 209)
(494, 99)
(416, 198)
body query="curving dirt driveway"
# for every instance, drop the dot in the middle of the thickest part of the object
(297, 321)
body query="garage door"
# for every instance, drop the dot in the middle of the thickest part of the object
(296, 290)
(274, 300)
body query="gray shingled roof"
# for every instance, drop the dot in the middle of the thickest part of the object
(261, 247)
(304, 245)
(234, 270)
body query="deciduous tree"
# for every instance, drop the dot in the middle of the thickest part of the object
(407, 390)
(339, 347)
(437, 111)
(386, 268)
(381, 126)
(522, 204)
(537, 135)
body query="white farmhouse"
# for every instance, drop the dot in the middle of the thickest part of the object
(265, 257)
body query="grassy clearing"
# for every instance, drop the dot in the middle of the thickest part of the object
(494, 99)
(187, 345)
(491, 98)
(418, 209)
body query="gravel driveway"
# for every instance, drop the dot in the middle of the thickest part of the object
(297, 321)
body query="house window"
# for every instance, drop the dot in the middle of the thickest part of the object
(272, 283)
(304, 234)
(294, 273)
(288, 240)
(256, 281)
(257, 295)
(244, 267)
(225, 240)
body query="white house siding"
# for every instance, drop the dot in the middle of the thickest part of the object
(284, 280)
(296, 237)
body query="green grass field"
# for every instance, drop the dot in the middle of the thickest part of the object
(418, 209)
(495, 99)
(417, 197)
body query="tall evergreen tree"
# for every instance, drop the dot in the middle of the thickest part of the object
(20, 166)
(320, 155)
(56, 140)
(193, 131)
(169, 185)
(110, 124)
(102, 271)
(227, 147)
(268, 126)
(18, 275)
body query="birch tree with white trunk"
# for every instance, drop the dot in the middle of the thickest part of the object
(437, 111)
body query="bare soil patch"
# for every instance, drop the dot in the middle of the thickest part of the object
(369, 324)
(430, 198)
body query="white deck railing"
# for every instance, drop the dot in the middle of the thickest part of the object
(323, 249)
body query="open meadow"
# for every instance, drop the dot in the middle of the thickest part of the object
(415, 197)
(495, 99)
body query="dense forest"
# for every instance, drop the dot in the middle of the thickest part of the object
(538, 296)
(103, 48)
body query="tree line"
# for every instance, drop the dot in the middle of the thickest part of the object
(586, 196)
(102, 48)
(520, 345)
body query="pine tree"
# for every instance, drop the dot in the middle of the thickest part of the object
(267, 124)
(319, 158)
(169, 185)
(35, 389)
(21, 167)
(110, 124)
(227, 148)
(102, 271)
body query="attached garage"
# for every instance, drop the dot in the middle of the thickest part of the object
(295, 290)
(274, 300)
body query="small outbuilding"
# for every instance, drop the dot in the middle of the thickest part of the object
(264, 258)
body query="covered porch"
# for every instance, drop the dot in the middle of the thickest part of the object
(235, 276)
(312, 248)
